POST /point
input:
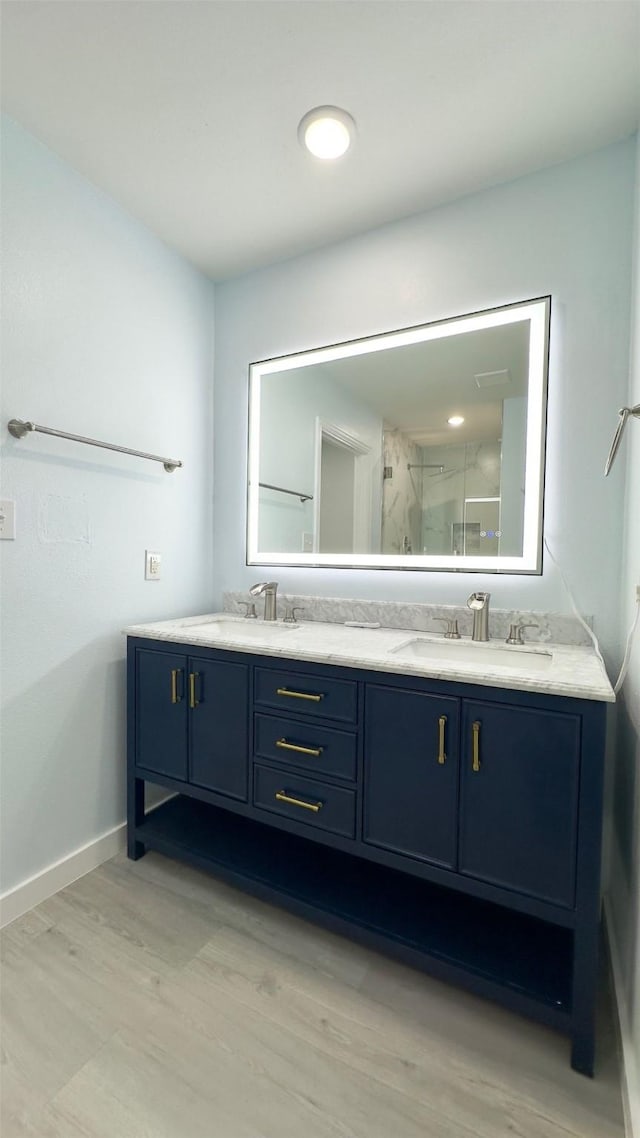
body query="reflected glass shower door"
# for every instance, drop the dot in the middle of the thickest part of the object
(479, 534)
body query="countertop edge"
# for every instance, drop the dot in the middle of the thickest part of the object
(598, 690)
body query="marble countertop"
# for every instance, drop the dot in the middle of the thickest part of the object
(552, 669)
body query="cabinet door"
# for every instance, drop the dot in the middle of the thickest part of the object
(161, 712)
(219, 726)
(411, 773)
(519, 799)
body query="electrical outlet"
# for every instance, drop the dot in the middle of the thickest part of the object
(152, 562)
(7, 520)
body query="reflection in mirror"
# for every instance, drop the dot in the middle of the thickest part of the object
(422, 448)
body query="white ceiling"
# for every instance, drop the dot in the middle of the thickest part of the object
(186, 111)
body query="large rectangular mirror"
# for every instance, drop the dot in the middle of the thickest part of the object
(416, 449)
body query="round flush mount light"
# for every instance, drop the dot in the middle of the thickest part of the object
(456, 420)
(327, 132)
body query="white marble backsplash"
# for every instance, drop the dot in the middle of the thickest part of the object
(553, 628)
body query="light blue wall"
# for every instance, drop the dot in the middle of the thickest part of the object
(563, 231)
(625, 855)
(108, 334)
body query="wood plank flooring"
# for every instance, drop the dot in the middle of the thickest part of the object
(148, 1000)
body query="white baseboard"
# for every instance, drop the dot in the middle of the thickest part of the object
(630, 1056)
(19, 900)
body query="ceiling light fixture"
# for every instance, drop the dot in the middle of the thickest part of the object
(327, 132)
(456, 420)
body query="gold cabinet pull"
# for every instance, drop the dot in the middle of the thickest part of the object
(282, 796)
(317, 751)
(442, 723)
(193, 676)
(300, 694)
(475, 727)
(175, 672)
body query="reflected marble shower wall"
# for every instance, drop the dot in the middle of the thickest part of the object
(401, 495)
(470, 470)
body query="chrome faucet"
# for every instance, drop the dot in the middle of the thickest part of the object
(479, 605)
(270, 590)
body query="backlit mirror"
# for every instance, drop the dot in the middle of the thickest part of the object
(415, 449)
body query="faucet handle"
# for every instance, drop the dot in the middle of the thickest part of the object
(250, 610)
(515, 632)
(451, 631)
(290, 613)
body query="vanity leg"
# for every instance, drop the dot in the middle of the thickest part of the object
(586, 943)
(135, 817)
(585, 988)
(582, 1055)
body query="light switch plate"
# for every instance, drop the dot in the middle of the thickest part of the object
(7, 520)
(152, 563)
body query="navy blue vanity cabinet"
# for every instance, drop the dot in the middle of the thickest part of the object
(519, 799)
(191, 720)
(454, 826)
(411, 743)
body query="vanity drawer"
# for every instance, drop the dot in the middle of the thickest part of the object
(284, 792)
(309, 696)
(323, 750)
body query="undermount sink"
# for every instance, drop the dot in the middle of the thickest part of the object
(246, 629)
(480, 654)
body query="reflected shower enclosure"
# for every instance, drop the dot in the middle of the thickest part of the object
(448, 499)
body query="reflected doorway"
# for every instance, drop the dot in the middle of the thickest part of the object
(337, 482)
(342, 493)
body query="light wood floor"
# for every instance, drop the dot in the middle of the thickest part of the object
(148, 1000)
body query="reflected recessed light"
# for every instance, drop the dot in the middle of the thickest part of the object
(456, 420)
(327, 132)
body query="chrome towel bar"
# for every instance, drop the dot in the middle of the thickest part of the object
(624, 414)
(19, 428)
(281, 490)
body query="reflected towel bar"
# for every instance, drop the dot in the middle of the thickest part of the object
(296, 493)
(19, 429)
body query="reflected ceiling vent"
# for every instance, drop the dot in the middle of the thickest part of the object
(493, 378)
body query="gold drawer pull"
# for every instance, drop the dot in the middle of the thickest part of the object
(175, 672)
(193, 676)
(300, 694)
(442, 723)
(475, 727)
(282, 797)
(317, 751)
